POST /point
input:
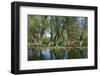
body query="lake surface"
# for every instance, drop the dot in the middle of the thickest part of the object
(57, 53)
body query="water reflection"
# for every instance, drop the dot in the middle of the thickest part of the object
(56, 53)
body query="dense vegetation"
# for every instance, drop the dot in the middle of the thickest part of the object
(57, 31)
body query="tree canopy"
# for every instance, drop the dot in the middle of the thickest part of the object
(57, 31)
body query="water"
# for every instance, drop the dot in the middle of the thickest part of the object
(56, 53)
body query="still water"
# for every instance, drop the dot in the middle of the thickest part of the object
(55, 54)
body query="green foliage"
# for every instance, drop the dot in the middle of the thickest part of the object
(57, 31)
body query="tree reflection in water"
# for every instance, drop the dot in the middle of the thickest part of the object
(56, 53)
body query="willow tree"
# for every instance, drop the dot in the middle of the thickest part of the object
(84, 31)
(36, 28)
(62, 30)
(72, 30)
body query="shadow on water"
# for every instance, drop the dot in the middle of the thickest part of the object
(56, 53)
